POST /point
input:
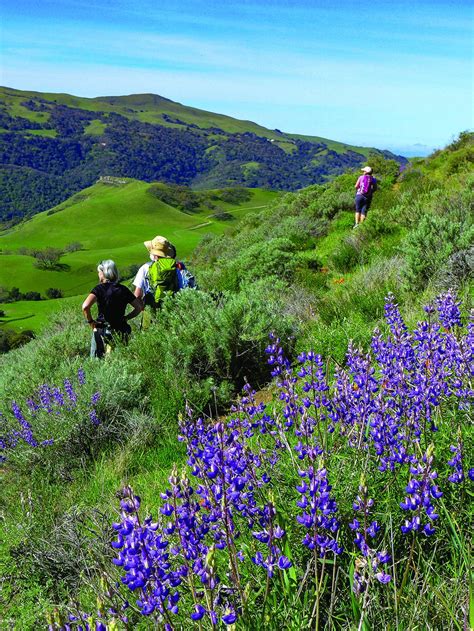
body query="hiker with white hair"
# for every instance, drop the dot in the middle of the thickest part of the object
(112, 299)
(365, 186)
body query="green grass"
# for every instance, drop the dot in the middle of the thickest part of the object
(146, 469)
(26, 315)
(339, 227)
(95, 128)
(110, 222)
(47, 133)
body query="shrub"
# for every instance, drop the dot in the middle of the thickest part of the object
(458, 269)
(62, 424)
(47, 258)
(11, 339)
(429, 245)
(222, 215)
(465, 139)
(74, 246)
(275, 257)
(129, 271)
(32, 295)
(386, 170)
(14, 294)
(54, 292)
(411, 177)
(181, 197)
(235, 195)
(203, 347)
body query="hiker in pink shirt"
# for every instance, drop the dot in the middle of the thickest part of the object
(366, 185)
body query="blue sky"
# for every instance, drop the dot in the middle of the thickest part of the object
(387, 74)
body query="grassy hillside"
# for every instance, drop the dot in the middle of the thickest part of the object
(108, 221)
(340, 493)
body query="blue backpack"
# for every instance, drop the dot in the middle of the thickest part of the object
(186, 279)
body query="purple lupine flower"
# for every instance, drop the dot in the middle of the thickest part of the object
(69, 390)
(448, 310)
(95, 398)
(32, 405)
(456, 462)
(94, 418)
(57, 396)
(26, 432)
(285, 382)
(318, 512)
(46, 397)
(81, 376)
(373, 558)
(198, 613)
(229, 618)
(383, 403)
(421, 490)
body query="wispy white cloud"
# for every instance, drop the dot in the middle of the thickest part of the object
(312, 107)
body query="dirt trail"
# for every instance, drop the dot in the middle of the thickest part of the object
(201, 225)
(234, 210)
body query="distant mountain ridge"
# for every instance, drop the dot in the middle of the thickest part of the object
(53, 145)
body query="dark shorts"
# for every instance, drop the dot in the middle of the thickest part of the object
(362, 204)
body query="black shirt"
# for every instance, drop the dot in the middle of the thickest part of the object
(112, 300)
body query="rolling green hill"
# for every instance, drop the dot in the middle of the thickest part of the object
(108, 220)
(54, 145)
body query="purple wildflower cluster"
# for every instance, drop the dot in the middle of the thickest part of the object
(229, 512)
(47, 399)
(194, 547)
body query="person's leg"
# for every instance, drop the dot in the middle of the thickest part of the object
(365, 209)
(97, 344)
(358, 208)
(93, 345)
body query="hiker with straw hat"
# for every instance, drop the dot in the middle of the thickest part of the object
(157, 277)
(365, 186)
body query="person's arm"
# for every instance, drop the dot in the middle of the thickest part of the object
(138, 293)
(86, 309)
(139, 285)
(137, 308)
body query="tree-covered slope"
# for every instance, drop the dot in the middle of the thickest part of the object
(53, 145)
